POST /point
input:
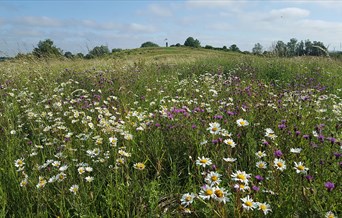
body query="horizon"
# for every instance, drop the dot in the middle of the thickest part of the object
(79, 26)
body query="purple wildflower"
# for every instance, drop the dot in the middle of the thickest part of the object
(278, 153)
(259, 178)
(309, 178)
(329, 185)
(255, 188)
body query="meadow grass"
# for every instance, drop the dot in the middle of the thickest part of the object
(171, 132)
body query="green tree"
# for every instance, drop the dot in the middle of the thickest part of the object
(47, 49)
(234, 48)
(149, 44)
(257, 49)
(191, 42)
(292, 47)
(98, 51)
(68, 54)
(280, 49)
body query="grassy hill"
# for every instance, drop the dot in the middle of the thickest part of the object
(170, 132)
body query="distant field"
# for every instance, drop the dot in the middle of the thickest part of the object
(171, 132)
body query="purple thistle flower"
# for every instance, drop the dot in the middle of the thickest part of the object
(337, 155)
(282, 126)
(309, 178)
(193, 126)
(298, 133)
(329, 185)
(255, 188)
(306, 136)
(331, 139)
(278, 153)
(259, 178)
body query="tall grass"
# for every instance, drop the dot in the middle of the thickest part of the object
(130, 132)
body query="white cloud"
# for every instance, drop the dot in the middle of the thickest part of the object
(222, 4)
(135, 27)
(289, 13)
(41, 21)
(159, 11)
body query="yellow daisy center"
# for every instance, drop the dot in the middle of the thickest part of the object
(242, 123)
(242, 186)
(263, 207)
(261, 165)
(188, 198)
(209, 192)
(249, 203)
(280, 164)
(219, 193)
(300, 167)
(214, 178)
(214, 129)
(241, 176)
(203, 161)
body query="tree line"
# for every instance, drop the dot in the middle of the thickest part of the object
(46, 48)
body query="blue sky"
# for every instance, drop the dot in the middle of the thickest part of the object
(77, 26)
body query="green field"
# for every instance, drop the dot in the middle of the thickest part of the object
(171, 132)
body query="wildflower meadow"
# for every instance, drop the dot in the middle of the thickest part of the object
(171, 132)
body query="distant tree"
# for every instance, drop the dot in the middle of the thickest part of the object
(79, 55)
(291, 47)
(116, 50)
(98, 51)
(319, 49)
(68, 54)
(178, 45)
(191, 42)
(149, 44)
(47, 49)
(300, 49)
(308, 47)
(234, 48)
(209, 47)
(280, 49)
(224, 48)
(257, 49)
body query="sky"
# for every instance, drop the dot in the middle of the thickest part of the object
(79, 26)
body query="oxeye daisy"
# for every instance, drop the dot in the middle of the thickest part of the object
(279, 164)
(139, 166)
(241, 187)
(42, 182)
(242, 122)
(23, 183)
(260, 154)
(81, 170)
(230, 142)
(89, 179)
(19, 163)
(203, 161)
(229, 159)
(187, 199)
(63, 168)
(113, 141)
(213, 178)
(261, 164)
(74, 189)
(241, 176)
(295, 150)
(214, 128)
(270, 134)
(221, 195)
(300, 168)
(248, 203)
(264, 207)
(60, 177)
(207, 192)
(330, 214)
